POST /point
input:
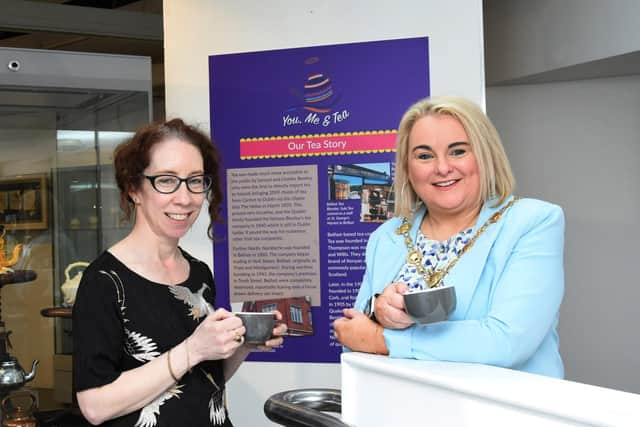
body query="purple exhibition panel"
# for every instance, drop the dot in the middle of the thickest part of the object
(307, 138)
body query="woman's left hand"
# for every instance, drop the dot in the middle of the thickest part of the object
(276, 336)
(359, 333)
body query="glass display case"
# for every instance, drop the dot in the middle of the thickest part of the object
(61, 116)
(87, 220)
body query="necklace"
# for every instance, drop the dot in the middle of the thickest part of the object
(433, 276)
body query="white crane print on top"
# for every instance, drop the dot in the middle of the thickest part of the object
(199, 306)
(149, 414)
(136, 345)
(143, 349)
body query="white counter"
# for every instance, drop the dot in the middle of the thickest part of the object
(380, 391)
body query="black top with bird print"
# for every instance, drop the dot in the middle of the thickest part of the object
(122, 321)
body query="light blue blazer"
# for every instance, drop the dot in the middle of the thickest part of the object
(509, 287)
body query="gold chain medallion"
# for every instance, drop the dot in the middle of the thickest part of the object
(432, 277)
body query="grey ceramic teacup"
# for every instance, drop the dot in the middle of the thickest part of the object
(430, 305)
(259, 326)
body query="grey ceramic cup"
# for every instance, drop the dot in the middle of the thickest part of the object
(430, 305)
(259, 326)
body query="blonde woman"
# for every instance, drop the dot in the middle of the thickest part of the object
(503, 255)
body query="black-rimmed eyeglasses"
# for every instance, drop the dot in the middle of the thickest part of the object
(167, 184)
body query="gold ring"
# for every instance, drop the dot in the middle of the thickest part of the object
(238, 338)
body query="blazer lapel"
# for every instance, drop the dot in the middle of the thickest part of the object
(466, 274)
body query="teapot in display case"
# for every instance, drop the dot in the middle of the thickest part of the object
(8, 261)
(12, 376)
(70, 286)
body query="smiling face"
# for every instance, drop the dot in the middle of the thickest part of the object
(442, 167)
(169, 215)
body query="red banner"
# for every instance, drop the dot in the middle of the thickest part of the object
(318, 145)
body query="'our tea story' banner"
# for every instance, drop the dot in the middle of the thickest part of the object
(307, 137)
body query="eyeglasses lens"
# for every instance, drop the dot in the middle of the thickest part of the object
(199, 184)
(169, 183)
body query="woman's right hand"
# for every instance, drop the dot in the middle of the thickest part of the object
(216, 337)
(389, 307)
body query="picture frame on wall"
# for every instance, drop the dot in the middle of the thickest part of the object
(23, 202)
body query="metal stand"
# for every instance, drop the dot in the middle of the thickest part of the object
(302, 408)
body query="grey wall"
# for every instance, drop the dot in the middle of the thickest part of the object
(561, 39)
(571, 127)
(578, 144)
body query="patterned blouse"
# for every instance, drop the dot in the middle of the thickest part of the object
(436, 255)
(121, 321)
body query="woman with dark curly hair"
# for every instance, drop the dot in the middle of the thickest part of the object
(149, 347)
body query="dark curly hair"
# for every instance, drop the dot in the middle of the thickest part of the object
(131, 158)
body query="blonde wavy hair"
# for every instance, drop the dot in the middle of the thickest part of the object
(496, 178)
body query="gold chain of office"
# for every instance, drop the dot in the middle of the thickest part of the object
(431, 276)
